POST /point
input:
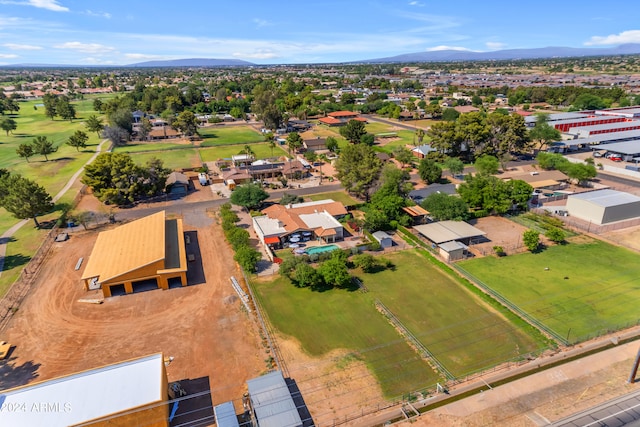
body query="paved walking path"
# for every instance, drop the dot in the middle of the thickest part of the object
(6, 237)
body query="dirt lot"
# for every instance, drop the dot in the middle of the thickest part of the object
(628, 237)
(203, 326)
(500, 232)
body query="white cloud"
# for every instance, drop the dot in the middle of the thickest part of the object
(631, 36)
(495, 45)
(15, 46)
(8, 55)
(416, 3)
(261, 22)
(442, 47)
(105, 15)
(42, 4)
(97, 61)
(260, 54)
(142, 56)
(93, 48)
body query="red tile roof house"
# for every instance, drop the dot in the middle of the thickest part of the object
(339, 118)
(284, 224)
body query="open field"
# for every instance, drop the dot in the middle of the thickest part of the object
(462, 333)
(338, 196)
(172, 159)
(313, 318)
(135, 147)
(225, 135)
(463, 343)
(203, 325)
(578, 290)
(261, 151)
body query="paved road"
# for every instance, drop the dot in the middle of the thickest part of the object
(623, 411)
(6, 237)
(401, 125)
(179, 206)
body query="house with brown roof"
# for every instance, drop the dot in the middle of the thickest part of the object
(285, 224)
(316, 144)
(339, 118)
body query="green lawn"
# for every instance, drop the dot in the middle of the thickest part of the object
(136, 147)
(377, 127)
(173, 159)
(229, 135)
(462, 332)
(339, 319)
(338, 196)
(261, 151)
(587, 289)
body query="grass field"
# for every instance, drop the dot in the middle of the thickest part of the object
(136, 147)
(463, 333)
(338, 196)
(261, 151)
(313, 318)
(229, 135)
(589, 287)
(172, 159)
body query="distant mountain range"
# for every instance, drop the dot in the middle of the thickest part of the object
(537, 53)
(428, 56)
(194, 62)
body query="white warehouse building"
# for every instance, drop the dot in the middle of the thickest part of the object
(604, 206)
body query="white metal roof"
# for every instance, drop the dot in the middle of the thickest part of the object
(452, 246)
(556, 116)
(320, 219)
(225, 415)
(627, 147)
(85, 396)
(607, 198)
(603, 138)
(604, 126)
(312, 203)
(272, 401)
(269, 226)
(446, 231)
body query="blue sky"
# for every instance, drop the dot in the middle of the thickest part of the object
(117, 32)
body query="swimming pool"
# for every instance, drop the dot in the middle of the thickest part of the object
(321, 249)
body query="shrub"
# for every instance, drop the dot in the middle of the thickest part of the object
(499, 250)
(555, 234)
(531, 240)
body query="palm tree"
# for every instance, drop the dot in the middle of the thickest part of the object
(322, 158)
(420, 135)
(248, 151)
(272, 145)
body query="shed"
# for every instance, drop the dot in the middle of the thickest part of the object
(604, 206)
(271, 401)
(452, 251)
(383, 238)
(447, 231)
(225, 415)
(133, 392)
(177, 183)
(150, 249)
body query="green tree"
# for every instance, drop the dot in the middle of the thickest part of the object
(97, 105)
(144, 129)
(334, 271)
(237, 237)
(25, 150)
(588, 101)
(332, 144)
(548, 161)
(114, 178)
(353, 131)
(429, 171)
(50, 103)
(444, 138)
(249, 196)
(305, 275)
(450, 115)
(65, 109)
(581, 172)
(368, 139)
(78, 140)
(94, 124)
(455, 166)
(7, 124)
(403, 155)
(357, 168)
(420, 133)
(187, 123)
(41, 145)
(248, 258)
(555, 234)
(367, 262)
(24, 198)
(444, 207)
(236, 113)
(543, 132)
(294, 142)
(531, 240)
(487, 165)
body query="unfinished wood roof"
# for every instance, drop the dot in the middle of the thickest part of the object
(127, 248)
